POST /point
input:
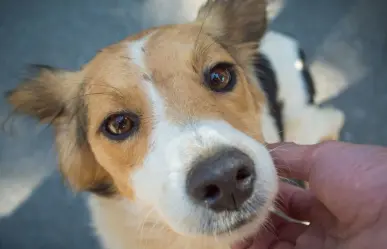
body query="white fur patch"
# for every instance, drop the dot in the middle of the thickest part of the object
(269, 128)
(136, 52)
(283, 54)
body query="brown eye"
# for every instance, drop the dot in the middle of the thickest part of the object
(220, 78)
(120, 126)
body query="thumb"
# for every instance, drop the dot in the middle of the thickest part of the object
(292, 160)
(338, 173)
(305, 161)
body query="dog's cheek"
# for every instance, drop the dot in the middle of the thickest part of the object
(147, 183)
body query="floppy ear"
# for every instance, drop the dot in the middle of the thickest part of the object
(234, 22)
(78, 164)
(54, 96)
(44, 95)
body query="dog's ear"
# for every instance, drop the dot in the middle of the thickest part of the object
(45, 95)
(54, 96)
(78, 164)
(234, 22)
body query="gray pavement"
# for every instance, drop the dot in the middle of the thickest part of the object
(345, 40)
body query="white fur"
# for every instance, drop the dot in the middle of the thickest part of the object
(283, 54)
(136, 52)
(269, 129)
(313, 124)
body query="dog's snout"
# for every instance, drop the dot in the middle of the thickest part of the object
(223, 181)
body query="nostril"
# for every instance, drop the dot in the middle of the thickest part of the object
(223, 181)
(211, 193)
(243, 174)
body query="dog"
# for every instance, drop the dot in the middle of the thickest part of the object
(167, 129)
(291, 92)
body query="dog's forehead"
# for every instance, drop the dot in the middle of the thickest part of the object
(169, 57)
(180, 46)
(170, 50)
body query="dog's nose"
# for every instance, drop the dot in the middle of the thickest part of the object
(223, 181)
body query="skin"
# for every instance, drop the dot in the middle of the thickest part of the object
(346, 203)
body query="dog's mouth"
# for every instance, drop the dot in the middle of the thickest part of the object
(248, 216)
(236, 225)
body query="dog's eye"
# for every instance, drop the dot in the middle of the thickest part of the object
(220, 78)
(120, 126)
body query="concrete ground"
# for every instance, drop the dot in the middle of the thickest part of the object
(345, 40)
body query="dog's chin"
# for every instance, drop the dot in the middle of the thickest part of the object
(236, 231)
(238, 226)
(230, 227)
(240, 229)
(241, 222)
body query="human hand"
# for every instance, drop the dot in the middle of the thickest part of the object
(346, 203)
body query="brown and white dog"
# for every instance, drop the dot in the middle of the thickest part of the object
(167, 131)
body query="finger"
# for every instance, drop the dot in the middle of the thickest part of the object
(243, 244)
(283, 231)
(295, 202)
(282, 245)
(274, 230)
(302, 205)
(264, 236)
(264, 239)
(290, 232)
(291, 160)
(299, 161)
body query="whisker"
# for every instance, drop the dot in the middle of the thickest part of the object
(142, 224)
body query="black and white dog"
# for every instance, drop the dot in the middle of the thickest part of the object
(288, 83)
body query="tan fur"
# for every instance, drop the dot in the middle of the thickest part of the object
(77, 163)
(45, 95)
(52, 97)
(111, 74)
(178, 81)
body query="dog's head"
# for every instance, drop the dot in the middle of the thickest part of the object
(169, 119)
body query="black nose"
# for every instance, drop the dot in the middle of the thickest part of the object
(223, 181)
